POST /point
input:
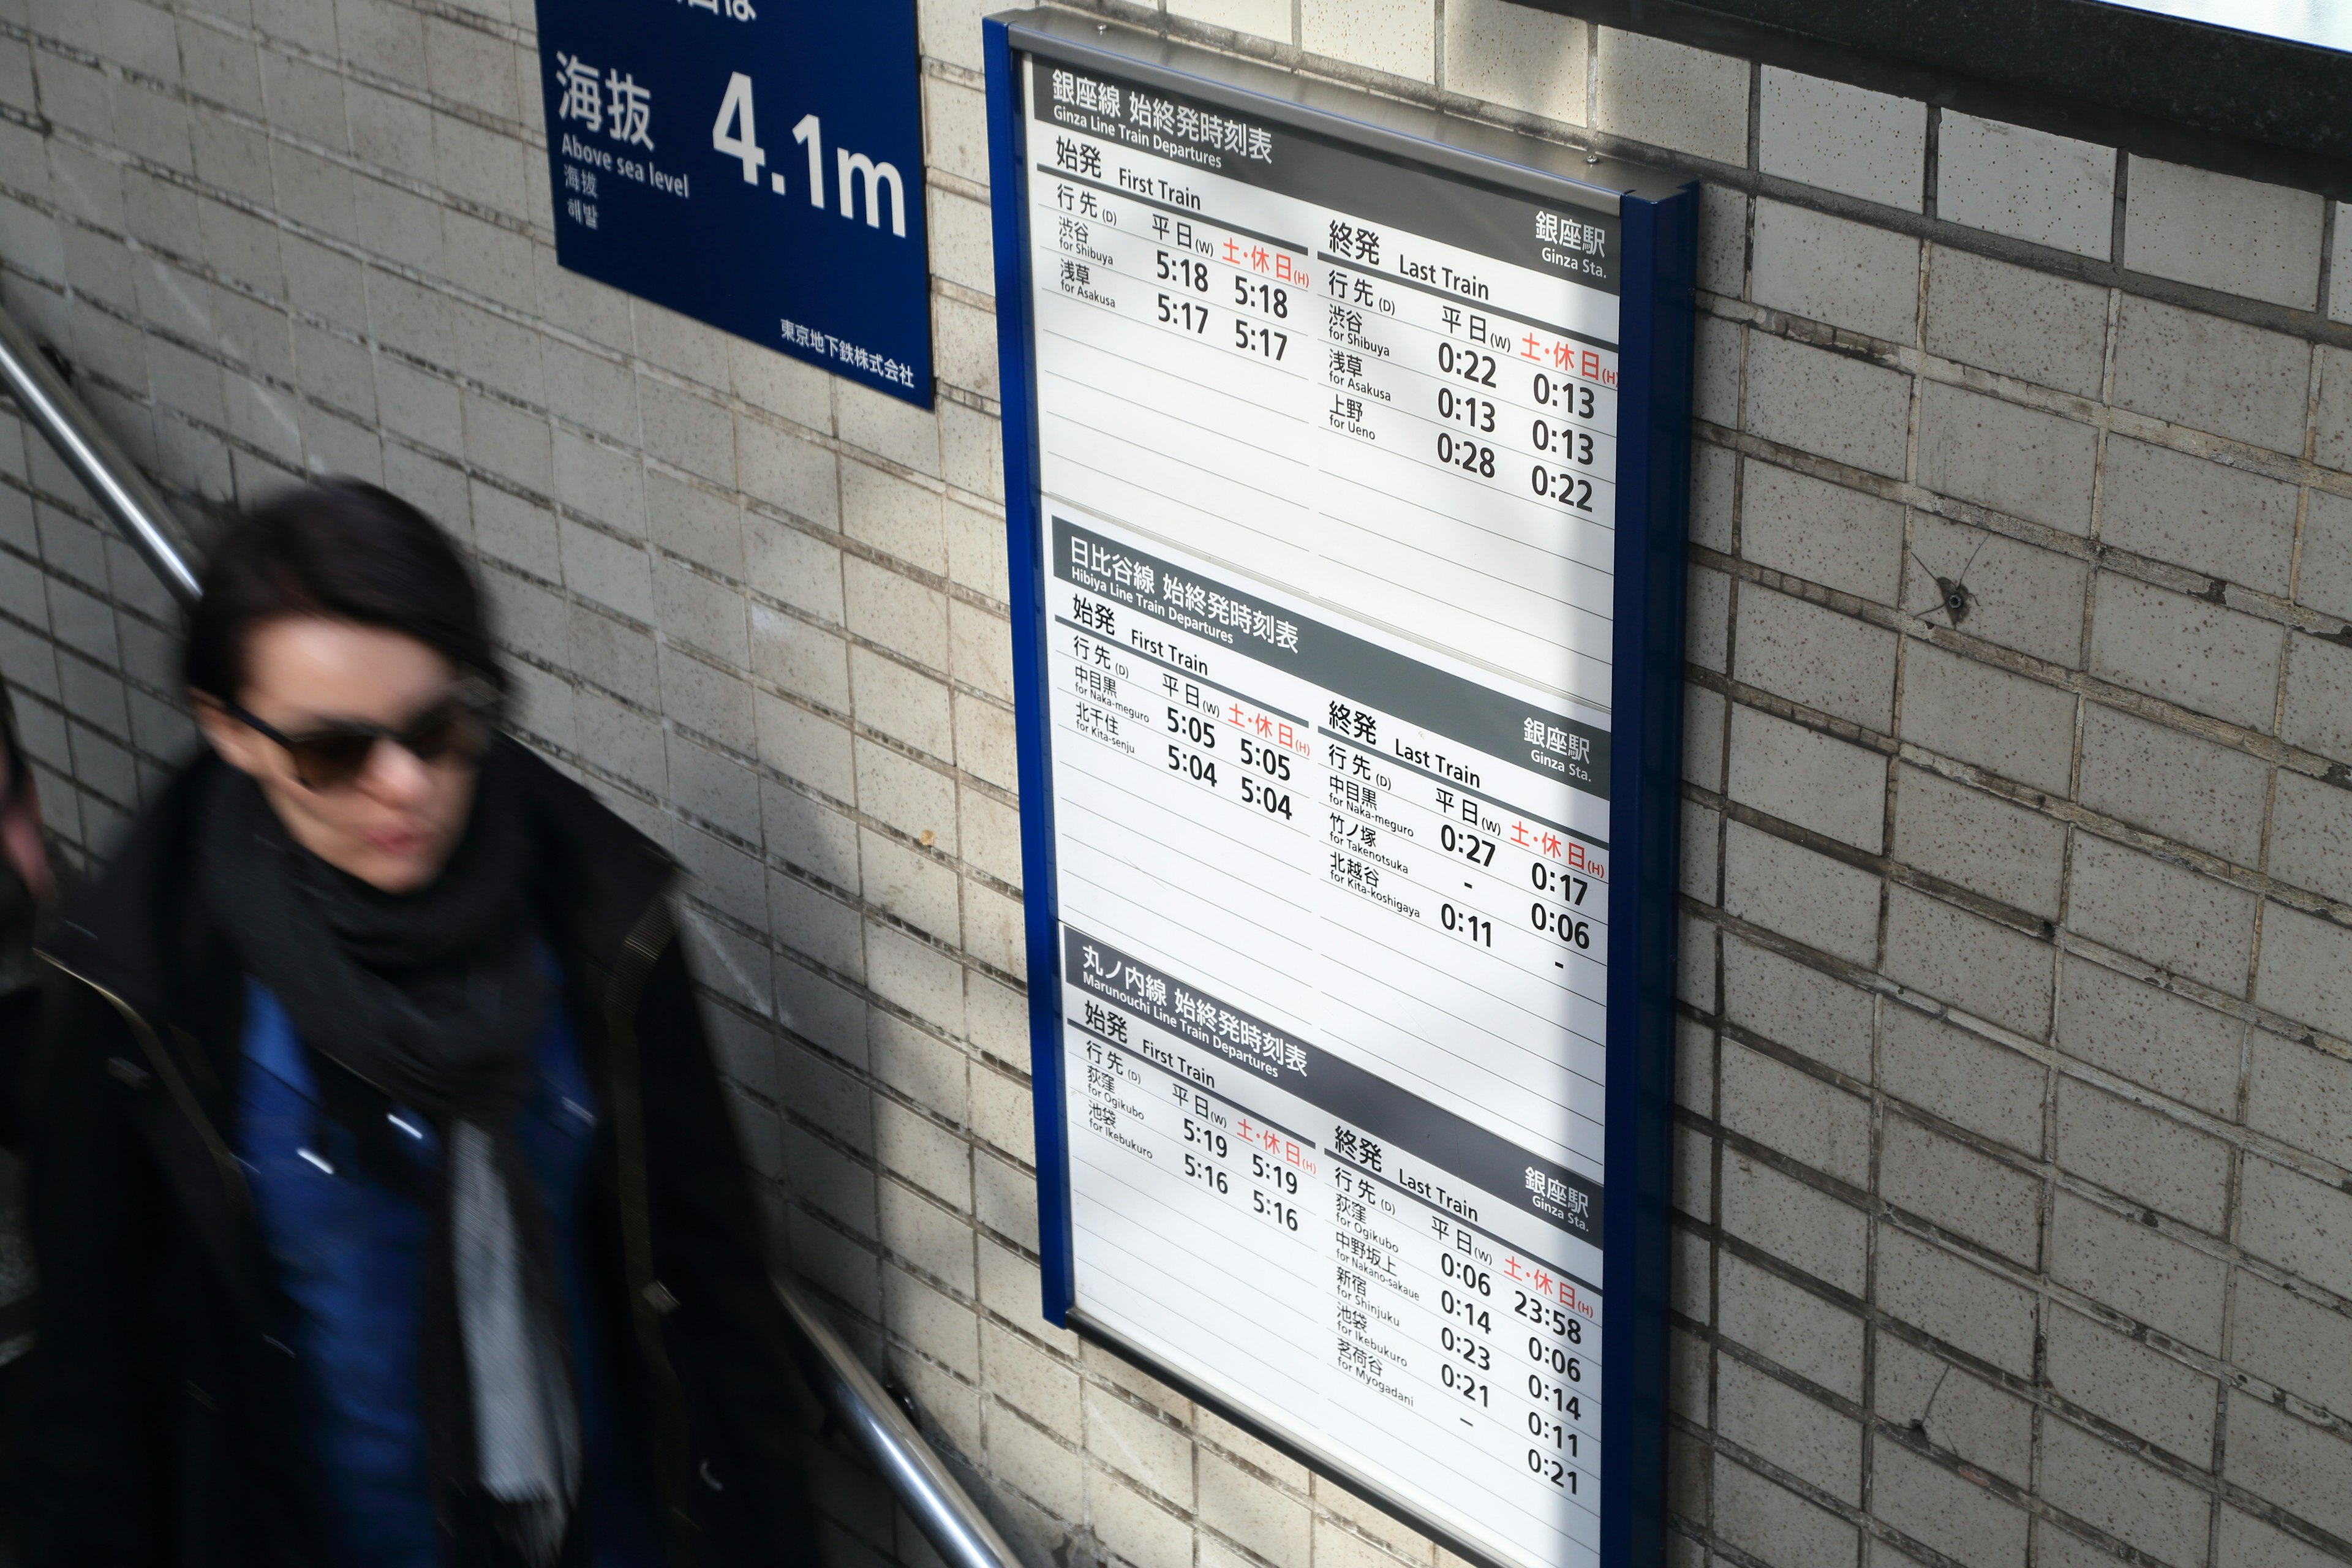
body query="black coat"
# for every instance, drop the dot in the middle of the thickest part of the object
(161, 1425)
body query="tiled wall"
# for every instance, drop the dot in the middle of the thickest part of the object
(2016, 1115)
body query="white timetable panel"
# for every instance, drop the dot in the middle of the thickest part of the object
(1322, 458)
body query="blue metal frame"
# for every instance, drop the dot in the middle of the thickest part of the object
(1041, 910)
(1645, 731)
(1654, 356)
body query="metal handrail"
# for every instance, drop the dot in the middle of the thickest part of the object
(102, 465)
(925, 1487)
(942, 1508)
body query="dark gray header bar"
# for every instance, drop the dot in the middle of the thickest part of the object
(1378, 192)
(1365, 673)
(1370, 1105)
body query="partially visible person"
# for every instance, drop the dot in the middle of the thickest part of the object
(26, 882)
(387, 1206)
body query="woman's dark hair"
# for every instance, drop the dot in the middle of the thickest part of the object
(345, 551)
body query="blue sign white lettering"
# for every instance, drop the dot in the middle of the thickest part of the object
(810, 241)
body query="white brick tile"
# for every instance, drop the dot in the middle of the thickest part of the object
(1808, 778)
(2165, 913)
(1848, 274)
(1959, 1190)
(2123, 1495)
(2223, 232)
(1694, 1179)
(1707, 617)
(1990, 969)
(2150, 1158)
(2297, 1091)
(780, 384)
(1797, 1114)
(605, 482)
(707, 699)
(2016, 727)
(2186, 650)
(2249, 1543)
(800, 657)
(2294, 1342)
(1265, 18)
(1822, 533)
(699, 612)
(1517, 56)
(1934, 1289)
(1803, 1436)
(1398, 36)
(2222, 522)
(2319, 696)
(2010, 458)
(1791, 1326)
(915, 1147)
(929, 1238)
(2324, 577)
(2019, 596)
(2140, 1272)
(2027, 184)
(1773, 1524)
(1840, 407)
(1722, 239)
(2150, 1036)
(1244, 1508)
(2311, 836)
(1841, 138)
(807, 921)
(1795, 1222)
(2290, 1461)
(902, 702)
(1963, 1077)
(1800, 1007)
(618, 658)
(608, 570)
(1812, 655)
(1672, 95)
(2305, 971)
(1716, 394)
(2137, 1388)
(896, 611)
(1701, 864)
(2173, 782)
(1989, 1430)
(716, 788)
(1714, 477)
(2211, 374)
(1821, 903)
(2340, 267)
(1980, 841)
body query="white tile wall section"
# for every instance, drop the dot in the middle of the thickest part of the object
(2223, 232)
(2026, 183)
(2015, 1027)
(1264, 18)
(1841, 138)
(1671, 95)
(2339, 265)
(1518, 57)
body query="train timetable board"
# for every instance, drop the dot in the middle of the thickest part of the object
(1345, 452)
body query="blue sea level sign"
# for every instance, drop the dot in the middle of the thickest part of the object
(755, 164)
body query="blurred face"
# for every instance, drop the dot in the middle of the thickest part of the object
(394, 821)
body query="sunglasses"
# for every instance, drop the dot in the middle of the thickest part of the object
(458, 726)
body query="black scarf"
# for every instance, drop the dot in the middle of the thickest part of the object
(428, 1004)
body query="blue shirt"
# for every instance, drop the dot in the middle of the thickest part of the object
(347, 1255)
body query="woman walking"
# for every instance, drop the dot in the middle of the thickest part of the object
(387, 1207)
